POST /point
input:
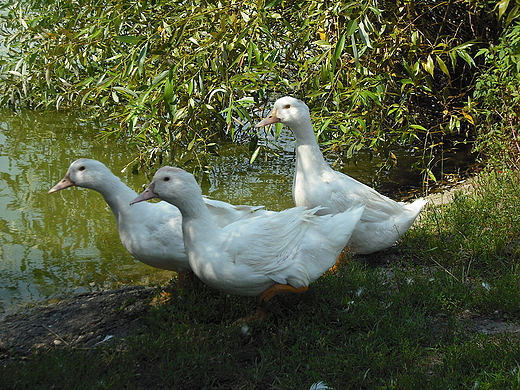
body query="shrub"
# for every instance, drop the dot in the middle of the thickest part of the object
(497, 100)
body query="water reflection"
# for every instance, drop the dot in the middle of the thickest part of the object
(267, 182)
(54, 245)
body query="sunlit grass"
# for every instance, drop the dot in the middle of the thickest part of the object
(478, 230)
(407, 325)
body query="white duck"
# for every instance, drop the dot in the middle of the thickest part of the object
(151, 232)
(317, 184)
(265, 255)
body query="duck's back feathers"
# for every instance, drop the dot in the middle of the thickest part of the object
(384, 220)
(295, 246)
(225, 213)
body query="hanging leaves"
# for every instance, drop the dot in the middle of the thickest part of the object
(180, 75)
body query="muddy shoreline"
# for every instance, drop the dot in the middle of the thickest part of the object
(86, 320)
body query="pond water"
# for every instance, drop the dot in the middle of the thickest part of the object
(55, 245)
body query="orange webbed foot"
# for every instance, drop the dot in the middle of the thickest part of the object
(261, 312)
(279, 289)
(343, 258)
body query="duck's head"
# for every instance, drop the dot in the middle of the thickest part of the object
(289, 111)
(83, 172)
(171, 184)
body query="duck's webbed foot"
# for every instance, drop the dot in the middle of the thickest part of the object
(279, 289)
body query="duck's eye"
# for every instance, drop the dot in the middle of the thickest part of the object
(287, 106)
(82, 168)
(166, 178)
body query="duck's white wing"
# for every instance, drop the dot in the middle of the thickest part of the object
(225, 213)
(267, 244)
(153, 235)
(294, 246)
(316, 248)
(346, 192)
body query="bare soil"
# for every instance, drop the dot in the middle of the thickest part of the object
(85, 320)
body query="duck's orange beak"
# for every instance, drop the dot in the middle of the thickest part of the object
(146, 195)
(62, 184)
(272, 118)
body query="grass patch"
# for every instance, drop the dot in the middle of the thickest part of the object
(404, 326)
(479, 230)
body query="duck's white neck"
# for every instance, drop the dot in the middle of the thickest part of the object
(308, 154)
(194, 209)
(199, 231)
(117, 195)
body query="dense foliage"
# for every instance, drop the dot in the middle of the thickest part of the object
(498, 93)
(176, 77)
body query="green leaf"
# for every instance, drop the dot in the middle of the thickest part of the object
(168, 91)
(129, 39)
(466, 57)
(442, 66)
(126, 91)
(352, 27)
(453, 56)
(338, 50)
(115, 97)
(141, 58)
(15, 73)
(463, 46)
(428, 65)
(364, 35)
(418, 127)
(431, 175)
(160, 77)
(502, 7)
(96, 34)
(278, 130)
(254, 155)
(192, 143)
(323, 127)
(355, 52)
(362, 124)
